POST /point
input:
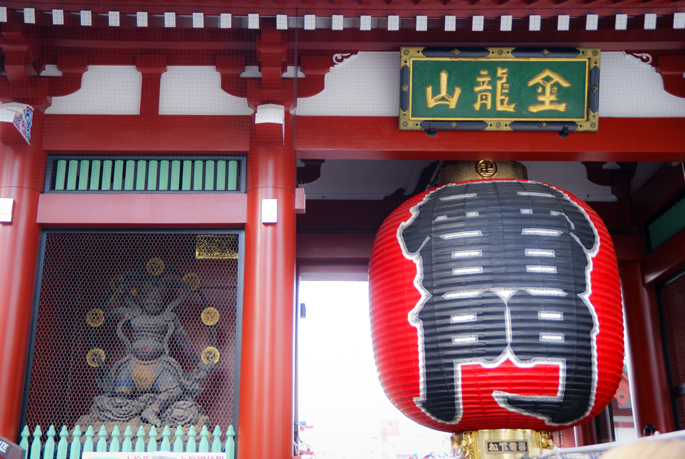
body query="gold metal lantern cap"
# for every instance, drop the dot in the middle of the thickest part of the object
(463, 171)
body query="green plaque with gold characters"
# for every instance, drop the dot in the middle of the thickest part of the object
(499, 89)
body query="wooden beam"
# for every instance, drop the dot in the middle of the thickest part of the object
(661, 188)
(334, 256)
(618, 139)
(164, 133)
(177, 210)
(665, 261)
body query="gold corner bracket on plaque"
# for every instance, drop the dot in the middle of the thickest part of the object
(593, 55)
(501, 443)
(407, 54)
(407, 124)
(592, 123)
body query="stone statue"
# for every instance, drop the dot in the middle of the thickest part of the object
(147, 381)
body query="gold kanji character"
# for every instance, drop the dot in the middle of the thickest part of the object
(443, 98)
(547, 80)
(483, 85)
(501, 101)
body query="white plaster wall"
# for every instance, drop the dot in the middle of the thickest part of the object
(630, 88)
(197, 91)
(363, 85)
(367, 84)
(105, 90)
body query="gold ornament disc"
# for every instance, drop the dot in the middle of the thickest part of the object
(210, 354)
(155, 266)
(193, 280)
(95, 317)
(95, 357)
(486, 168)
(209, 316)
(115, 282)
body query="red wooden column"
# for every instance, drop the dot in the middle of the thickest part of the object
(585, 434)
(265, 424)
(648, 379)
(22, 176)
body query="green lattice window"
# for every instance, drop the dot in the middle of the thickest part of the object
(667, 224)
(168, 174)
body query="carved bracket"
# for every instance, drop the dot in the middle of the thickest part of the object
(672, 70)
(21, 62)
(671, 67)
(618, 178)
(272, 88)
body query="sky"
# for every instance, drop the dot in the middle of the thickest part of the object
(340, 396)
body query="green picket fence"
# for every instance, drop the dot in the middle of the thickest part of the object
(69, 445)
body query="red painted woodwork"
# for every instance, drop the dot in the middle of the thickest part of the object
(663, 187)
(672, 69)
(148, 133)
(334, 256)
(649, 383)
(152, 67)
(586, 434)
(56, 210)
(266, 373)
(629, 247)
(618, 139)
(22, 64)
(340, 137)
(404, 8)
(22, 173)
(665, 261)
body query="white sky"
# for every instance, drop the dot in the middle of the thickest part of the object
(339, 392)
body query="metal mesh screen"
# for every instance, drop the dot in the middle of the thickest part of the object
(673, 307)
(136, 329)
(673, 320)
(680, 415)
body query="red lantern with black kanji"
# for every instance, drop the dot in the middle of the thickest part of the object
(496, 304)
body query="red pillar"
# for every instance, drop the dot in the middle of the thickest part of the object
(648, 380)
(586, 434)
(265, 421)
(22, 176)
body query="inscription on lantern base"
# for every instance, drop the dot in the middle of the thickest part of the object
(501, 443)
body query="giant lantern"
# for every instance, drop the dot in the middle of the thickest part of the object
(496, 311)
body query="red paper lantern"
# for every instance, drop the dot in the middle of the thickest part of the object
(496, 304)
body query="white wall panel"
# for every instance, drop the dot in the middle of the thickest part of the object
(197, 91)
(105, 90)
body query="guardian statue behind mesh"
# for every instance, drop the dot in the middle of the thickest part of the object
(147, 381)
